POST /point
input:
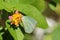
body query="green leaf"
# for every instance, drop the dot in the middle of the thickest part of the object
(48, 37)
(28, 37)
(27, 9)
(1, 6)
(52, 7)
(56, 33)
(6, 5)
(9, 4)
(0, 37)
(1, 33)
(27, 1)
(33, 12)
(39, 4)
(17, 34)
(58, 9)
(1, 27)
(57, 1)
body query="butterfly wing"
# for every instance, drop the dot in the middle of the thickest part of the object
(29, 24)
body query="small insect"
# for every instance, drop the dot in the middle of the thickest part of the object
(28, 22)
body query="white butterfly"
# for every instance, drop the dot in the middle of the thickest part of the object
(29, 24)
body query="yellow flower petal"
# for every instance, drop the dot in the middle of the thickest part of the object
(16, 18)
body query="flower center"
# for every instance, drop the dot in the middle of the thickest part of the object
(16, 18)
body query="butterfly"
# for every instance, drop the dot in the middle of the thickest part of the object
(29, 24)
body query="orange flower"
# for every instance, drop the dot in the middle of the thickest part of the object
(16, 18)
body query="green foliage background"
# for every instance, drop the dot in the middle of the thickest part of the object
(32, 8)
